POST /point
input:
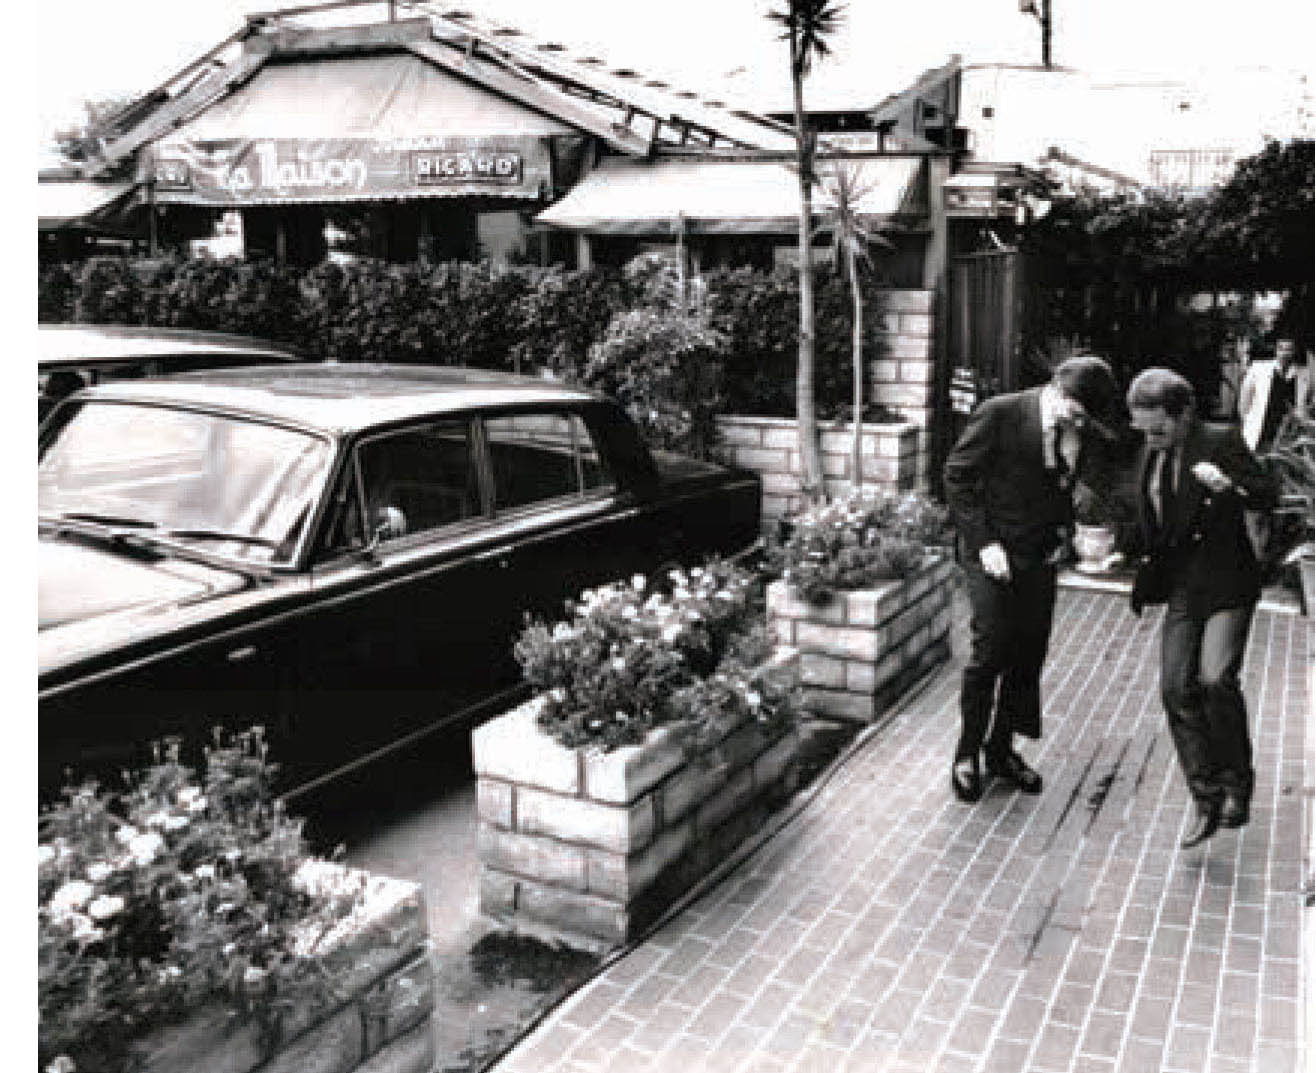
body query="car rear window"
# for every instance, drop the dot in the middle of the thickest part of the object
(537, 457)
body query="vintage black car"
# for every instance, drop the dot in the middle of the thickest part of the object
(341, 553)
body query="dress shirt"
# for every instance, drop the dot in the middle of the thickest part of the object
(1069, 440)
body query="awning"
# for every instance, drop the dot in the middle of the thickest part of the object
(623, 197)
(355, 128)
(63, 204)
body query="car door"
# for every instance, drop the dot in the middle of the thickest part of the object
(399, 639)
(565, 520)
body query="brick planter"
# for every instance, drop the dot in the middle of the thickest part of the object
(865, 647)
(589, 847)
(378, 1022)
(770, 447)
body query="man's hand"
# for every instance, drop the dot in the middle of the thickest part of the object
(1212, 476)
(995, 563)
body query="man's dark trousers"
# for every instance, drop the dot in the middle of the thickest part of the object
(1009, 631)
(1201, 656)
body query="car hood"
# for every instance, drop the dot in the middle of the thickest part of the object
(80, 582)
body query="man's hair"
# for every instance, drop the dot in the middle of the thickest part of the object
(1160, 388)
(1088, 379)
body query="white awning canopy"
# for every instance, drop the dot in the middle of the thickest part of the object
(64, 203)
(702, 196)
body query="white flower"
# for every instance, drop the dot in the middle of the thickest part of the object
(753, 698)
(672, 632)
(619, 664)
(126, 834)
(253, 976)
(197, 804)
(45, 854)
(175, 822)
(83, 928)
(228, 949)
(169, 972)
(639, 582)
(62, 1064)
(204, 871)
(105, 907)
(99, 871)
(562, 632)
(188, 794)
(72, 895)
(145, 847)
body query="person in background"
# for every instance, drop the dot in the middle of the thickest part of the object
(1009, 485)
(1195, 482)
(1271, 389)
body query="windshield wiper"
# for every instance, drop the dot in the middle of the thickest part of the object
(220, 534)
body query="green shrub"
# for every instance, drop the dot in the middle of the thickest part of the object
(857, 540)
(109, 292)
(665, 368)
(175, 895)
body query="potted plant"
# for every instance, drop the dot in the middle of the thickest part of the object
(184, 918)
(864, 595)
(1098, 517)
(661, 729)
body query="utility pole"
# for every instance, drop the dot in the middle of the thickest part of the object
(1042, 15)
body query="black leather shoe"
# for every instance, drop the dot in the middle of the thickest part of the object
(966, 778)
(1203, 827)
(1234, 812)
(1011, 766)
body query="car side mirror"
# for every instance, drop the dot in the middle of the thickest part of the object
(390, 523)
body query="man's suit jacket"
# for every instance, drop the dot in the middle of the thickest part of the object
(1204, 549)
(997, 484)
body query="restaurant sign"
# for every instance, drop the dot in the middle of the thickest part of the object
(264, 171)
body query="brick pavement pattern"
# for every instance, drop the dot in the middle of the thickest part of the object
(887, 928)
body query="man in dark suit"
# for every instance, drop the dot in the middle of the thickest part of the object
(1009, 484)
(1195, 482)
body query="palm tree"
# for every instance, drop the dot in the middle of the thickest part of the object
(851, 235)
(808, 24)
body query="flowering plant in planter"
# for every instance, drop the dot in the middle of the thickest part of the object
(858, 539)
(634, 656)
(176, 894)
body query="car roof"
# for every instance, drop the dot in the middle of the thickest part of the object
(82, 345)
(340, 398)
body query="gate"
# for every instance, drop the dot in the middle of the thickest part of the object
(982, 346)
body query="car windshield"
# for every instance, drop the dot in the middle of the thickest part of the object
(233, 486)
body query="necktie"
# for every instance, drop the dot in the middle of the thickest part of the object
(1165, 488)
(1062, 465)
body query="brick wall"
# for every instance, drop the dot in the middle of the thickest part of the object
(770, 447)
(589, 847)
(861, 650)
(900, 376)
(900, 373)
(380, 970)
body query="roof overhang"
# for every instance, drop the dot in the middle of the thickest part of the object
(78, 204)
(730, 196)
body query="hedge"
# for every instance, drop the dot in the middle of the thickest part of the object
(519, 319)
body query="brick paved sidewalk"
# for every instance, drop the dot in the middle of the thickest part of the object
(889, 928)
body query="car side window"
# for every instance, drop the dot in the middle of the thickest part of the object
(541, 456)
(419, 479)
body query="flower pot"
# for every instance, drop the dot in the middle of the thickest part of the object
(861, 650)
(1095, 547)
(588, 847)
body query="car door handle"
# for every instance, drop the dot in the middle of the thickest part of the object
(238, 655)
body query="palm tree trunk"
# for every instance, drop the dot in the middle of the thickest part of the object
(806, 419)
(856, 462)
